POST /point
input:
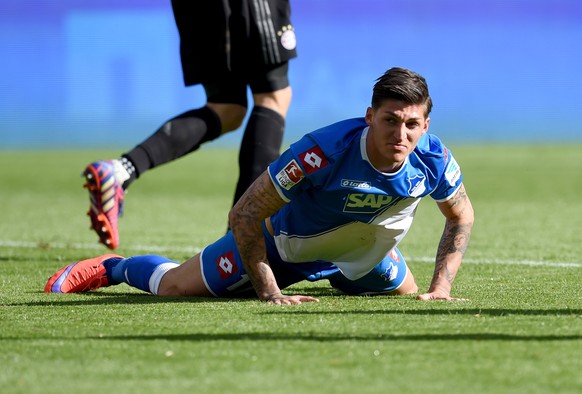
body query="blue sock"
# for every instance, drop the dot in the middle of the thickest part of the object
(142, 272)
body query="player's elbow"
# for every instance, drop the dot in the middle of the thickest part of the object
(468, 216)
(236, 218)
(464, 214)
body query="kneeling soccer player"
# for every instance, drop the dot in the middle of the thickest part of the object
(334, 206)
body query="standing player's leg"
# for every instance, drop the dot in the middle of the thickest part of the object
(179, 136)
(263, 135)
(107, 180)
(262, 44)
(204, 59)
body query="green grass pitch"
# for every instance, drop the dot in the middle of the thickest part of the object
(519, 332)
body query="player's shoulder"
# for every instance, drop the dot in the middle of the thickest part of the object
(430, 144)
(430, 148)
(339, 129)
(338, 136)
(434, 158)
(314, 156)
(431, 152)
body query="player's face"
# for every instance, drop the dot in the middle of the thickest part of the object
(395, 128)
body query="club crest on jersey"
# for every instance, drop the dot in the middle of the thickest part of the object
(453, 172)
(366, 203)
(225, 265)
(290, 175)
(287, 37)
(417, 185)
(313, 159)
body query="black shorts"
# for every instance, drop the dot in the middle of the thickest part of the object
(233, 90)
(227, 43)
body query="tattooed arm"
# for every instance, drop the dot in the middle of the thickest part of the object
(458, 212)
(259, 202)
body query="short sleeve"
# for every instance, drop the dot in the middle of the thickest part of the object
(298, 168)
(450, 180)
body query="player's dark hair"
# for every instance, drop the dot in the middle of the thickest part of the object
(403, 85)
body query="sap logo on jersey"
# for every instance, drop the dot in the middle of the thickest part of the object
(290, 175)
(225, 265)
(313, 159)
(366, 203)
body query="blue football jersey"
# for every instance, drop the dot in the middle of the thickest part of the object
(343, 210)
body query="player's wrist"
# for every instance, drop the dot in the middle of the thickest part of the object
(441, 289)
(271, 296)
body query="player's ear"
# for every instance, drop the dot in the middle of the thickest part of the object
(426, 123)
(369, 115)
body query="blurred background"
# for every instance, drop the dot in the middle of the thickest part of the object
(101, 74)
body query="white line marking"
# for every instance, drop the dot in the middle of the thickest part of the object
(194, 249)
(562, 264)
(96, 246)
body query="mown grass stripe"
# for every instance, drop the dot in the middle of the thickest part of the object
(193, 250)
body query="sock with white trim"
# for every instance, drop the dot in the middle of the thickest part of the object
(142, 272)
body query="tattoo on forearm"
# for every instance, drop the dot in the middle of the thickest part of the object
(455, 239)
(459, 241)
(260, 201)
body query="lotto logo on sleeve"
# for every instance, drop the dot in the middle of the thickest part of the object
(313, 159)
(225, 265)
(290, 175)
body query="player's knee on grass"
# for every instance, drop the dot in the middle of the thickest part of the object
(390, 277)
(409, 285)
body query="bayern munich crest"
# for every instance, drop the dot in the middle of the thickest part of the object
(287, 36)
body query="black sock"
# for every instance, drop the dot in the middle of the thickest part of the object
(174, 139)
(260, 145)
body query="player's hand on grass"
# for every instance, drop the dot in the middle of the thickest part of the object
(437, 295)
(282, 299)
